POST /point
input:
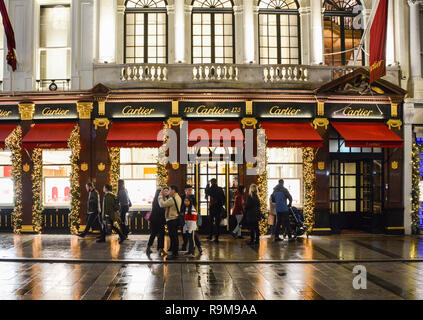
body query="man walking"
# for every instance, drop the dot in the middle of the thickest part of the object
(217, 200)
(94, 209)
(173, 209)
(280, 197)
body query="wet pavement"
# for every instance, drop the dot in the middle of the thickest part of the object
(66, 267)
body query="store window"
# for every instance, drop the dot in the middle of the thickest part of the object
(54, 45)
(213, 31)
(6, 180)
(146, 31)
(342, 32)
(138, 168)
(279, 32)
(56, 178)
(337, 145)
(286, 164)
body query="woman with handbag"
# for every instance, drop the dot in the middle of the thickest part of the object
(157, 223)
(253, 214)
(124, 205)
(238, 211)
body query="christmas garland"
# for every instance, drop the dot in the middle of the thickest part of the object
(13, 142)
(262, 178)
(114, 168)
(75, 146)
(309, 188)
(37, 179)
(162, 173)
(415, 189)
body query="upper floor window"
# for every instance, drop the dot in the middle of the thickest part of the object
(54, 46)
(146, 31)
(342, 34)
(213, 31)
(279, 32)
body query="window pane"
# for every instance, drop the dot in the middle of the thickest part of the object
(141, 192)
(55, 26)
(6, 191)
(56, 191)
(55, 64)
(56, 157)
(5, 157)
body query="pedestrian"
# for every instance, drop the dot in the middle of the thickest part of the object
(94, 209)
(157, 223)
(110, 214)
(281, 196)
(190, 217)
(272, 217)
(189, 193)
(253, 214)
(238, 211)
(216, 202)
(173, 207)
(124, 205)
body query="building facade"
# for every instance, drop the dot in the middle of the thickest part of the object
(98, 80)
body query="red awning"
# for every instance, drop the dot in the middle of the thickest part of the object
(367, 135)
(215, 133)
(48, 136)
(135, 135)
(291, 135)
(5, 131)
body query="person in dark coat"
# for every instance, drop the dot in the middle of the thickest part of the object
(94, 209)
(157, 224)
(238, 211)
(124, 205)
(253, 214)
(283, 200)
(189, 193)
(217, 200)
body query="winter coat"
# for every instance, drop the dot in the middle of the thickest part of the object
(109, 208)
(252, 210)
(217, 196)
(94, 202)
(239, 202)
(280, 196)
(157, 213)
(170, 204)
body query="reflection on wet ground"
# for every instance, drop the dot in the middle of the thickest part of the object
(65, 267)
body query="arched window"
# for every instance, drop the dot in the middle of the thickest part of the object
(212, 31)
(341, 32)
(145, 31)
(279, 32)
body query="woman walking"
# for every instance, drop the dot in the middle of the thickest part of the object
(157, 224)
(238, 211)
(124, 205)
(253, 214)
(190, 217)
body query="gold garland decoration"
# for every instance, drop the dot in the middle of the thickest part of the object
(13, 142)
(114, 168)
(415, 188)
(309, 177)
(162, 173)
(262, 179)
(37, 179)
(75, 145)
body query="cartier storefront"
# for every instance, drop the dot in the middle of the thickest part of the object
(338, 150)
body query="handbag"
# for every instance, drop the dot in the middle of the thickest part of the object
(147, 216)
(224, 222)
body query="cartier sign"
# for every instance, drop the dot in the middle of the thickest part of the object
(138, 109)
(9, 112)
(357, 111)
(56, 111)
(212, 109)
(284, 109)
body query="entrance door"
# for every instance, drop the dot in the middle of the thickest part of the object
(356, 192)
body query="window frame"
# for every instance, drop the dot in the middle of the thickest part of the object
(212, 12)
(145, 11)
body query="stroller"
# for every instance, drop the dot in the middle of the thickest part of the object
(296, 221)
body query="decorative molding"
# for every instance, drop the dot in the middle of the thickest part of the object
(175, 107)
(320, 108)
(250, 165)
(101, 122)
(249, 122)
(84, 109)
(394, 165)
(394, 123)
(26, 110)
(101, 166)
(102, 108)
(249, 107)
(321, 165)
(321, 122)
(175, 122)
(394, 110)
(84, 166)
(26, 167)
(175, 165)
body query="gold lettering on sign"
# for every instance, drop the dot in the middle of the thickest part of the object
(211, 110)
(5, 113)
(361, 112)
(54, 111)
(133, 111)
(280, 111)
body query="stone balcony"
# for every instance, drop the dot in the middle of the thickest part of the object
(247, 76)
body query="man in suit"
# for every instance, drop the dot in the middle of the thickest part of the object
(94, 209)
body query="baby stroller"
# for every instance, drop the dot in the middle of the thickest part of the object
(296, 222)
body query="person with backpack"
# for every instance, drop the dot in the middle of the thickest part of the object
(110, 214)
(217, 200)
(172, 214)
(280, 197)
(124, 205)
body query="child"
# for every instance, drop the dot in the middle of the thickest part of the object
(190, 217)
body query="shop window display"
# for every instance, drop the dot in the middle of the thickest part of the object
(6, 180)
(56, 177)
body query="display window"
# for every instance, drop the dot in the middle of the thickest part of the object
(56, 178)
(6, 180)
(138, 168)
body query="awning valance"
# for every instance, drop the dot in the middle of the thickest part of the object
(5, 131)
(135, 135)
(215, 133)
(367, 135)
(48, 136)
(291, 135)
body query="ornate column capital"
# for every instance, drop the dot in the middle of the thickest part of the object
(84, 109)
(26, 110)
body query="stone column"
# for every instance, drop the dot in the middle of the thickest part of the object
(256, 35)
(316, 32)
(305, 19)
(249, 34)
(415, 45)
(408, 142)
(120, 34)
(239, 34)
(366, 19)
(390, 41)
(171, 37)
(188, 36)
(107, 31)
(402, 40)
(179, 32)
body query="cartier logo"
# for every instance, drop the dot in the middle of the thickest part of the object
(281, 111)
(133, 111)
(361, 112)
(5, 113)
(54, 111)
